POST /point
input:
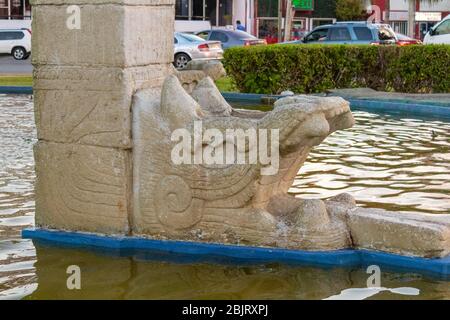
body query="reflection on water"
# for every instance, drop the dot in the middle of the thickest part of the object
(364, 293)
(110, 277)
(384, 162)
(17, 255)
(399, 164)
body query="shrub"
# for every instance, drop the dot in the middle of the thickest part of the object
(315, 68)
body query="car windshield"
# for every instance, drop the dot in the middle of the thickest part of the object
(385, 33)
(191, 37)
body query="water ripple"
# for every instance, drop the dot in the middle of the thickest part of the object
(384, 162)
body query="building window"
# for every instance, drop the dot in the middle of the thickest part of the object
(4, 9)
(198, 12)
(15, 9)
(400, 26)
(205, 10)
(211, 12)
(182, 9)
(268, 8)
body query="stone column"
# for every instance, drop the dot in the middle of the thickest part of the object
(84, 79)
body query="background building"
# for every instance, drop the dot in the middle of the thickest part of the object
(220, 13)
(312, 13)
(308, 15)
(427, 14)
(261, 16)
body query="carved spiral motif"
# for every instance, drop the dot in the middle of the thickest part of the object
(176, 207)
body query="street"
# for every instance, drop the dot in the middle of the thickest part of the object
(10, 66)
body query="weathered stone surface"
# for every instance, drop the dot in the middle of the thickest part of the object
(208, 96)
(212, 68)
(189, 79)
(404, 233)
(230, 203)
(89, 105)
(82, 187)
(87, 117)
(198, 70)
(84, 78)
(235, 203)
(109, 35)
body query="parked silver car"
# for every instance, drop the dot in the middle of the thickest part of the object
(191, 47)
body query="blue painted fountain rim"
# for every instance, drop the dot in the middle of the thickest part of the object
(16, 90)
(436, 109)
(245, 254)
(424, 108)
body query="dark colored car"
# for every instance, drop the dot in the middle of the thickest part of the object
(231, 38)
(350, 33)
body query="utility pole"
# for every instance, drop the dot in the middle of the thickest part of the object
(280, 20)
(288, 21)
(411, 17)
(387, 18)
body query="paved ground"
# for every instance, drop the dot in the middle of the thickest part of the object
(10, 66)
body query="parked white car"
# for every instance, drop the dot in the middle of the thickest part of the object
(440, 33)
(16, 42)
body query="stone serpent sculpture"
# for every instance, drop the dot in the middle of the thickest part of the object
(234, 203)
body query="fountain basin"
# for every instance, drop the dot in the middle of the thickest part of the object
(215, 252)
(415, 192)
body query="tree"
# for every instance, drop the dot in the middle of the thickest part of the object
(350, 9)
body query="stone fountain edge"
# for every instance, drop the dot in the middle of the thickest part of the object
(436, 267)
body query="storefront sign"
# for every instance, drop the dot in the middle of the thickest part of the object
(398, 16)
(428, 16)
(306, 5)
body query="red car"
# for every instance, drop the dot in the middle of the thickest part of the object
(403, 40)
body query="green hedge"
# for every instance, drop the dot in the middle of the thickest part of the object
(315, 68)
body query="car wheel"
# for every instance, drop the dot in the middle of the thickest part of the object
(19, 53)
(181, 61)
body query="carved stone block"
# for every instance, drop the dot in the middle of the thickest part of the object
(403, 233)
(109, 35)
(231, 203)
(82, 187)
(89, 105)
